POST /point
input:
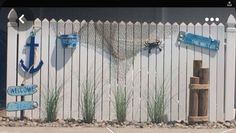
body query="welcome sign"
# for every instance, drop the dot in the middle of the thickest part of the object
(21, 91)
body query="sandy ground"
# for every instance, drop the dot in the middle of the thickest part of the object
(108, 130)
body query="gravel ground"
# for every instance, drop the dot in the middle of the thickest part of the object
(15, 122)
(108, 130)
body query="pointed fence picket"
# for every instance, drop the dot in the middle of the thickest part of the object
(141, 75)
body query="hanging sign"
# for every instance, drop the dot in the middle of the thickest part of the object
(69, 41)
(22, 90)
(201, 41)
(23, 105)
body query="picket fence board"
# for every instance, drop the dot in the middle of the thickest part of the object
(83, 60)
(137, 73)
(230, 73)
(25, 78)
(220, 92)
(160, 80)
(12, 65)
(152, 35)
(174, 70)
(36, 78)
(106, 72)
(213, 68)
(190, 58)
(75, 75)
(129, 69)
(167, 66)
(197, 50)
(59, 68)
(182, 77)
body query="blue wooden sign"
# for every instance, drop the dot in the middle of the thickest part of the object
(22, 90)
(69, 41)
(201, 41)
(24, 105)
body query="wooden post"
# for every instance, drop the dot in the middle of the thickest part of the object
(203, 93)
(197, 64)
(230, 69)
(193, 98)
(22, 112)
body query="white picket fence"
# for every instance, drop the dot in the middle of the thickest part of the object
(173, 64)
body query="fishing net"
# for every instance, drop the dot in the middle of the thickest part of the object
(120, 49)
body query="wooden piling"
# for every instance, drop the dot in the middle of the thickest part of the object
(193, 98)
(198, 98)
(203, 93)
(197, 64)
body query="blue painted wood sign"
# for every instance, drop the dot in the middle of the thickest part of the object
(69, 41)
(24, 105)
(22, 90)
(201, 41)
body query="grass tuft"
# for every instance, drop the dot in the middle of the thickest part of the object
(121, 104)
(156, 106)
(52, 100)
(88, 102)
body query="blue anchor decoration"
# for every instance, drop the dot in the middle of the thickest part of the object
(32, 46)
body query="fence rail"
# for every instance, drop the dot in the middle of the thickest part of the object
(142, 74)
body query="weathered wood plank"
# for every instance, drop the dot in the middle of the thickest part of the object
(160, 61)
(182, 78)
(220, 74)
(24, 37)
(205, 52)
(75, 75)
(67, 74)
(230, 73)
(144, 72)
(12, 64)
(59, 67)
(151, 65)
(137, 73)
(213, 76)
(167, 67)
(37, 80)
(197, 50)
(107, 105)
(114, 66)
(175, 73)
(83, 60)
(190, 53)
(130, 69)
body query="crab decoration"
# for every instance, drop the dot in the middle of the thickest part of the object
(151, 45)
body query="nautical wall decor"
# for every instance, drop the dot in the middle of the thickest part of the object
(23, 90)
(152, 45)
(200, 41)
(23, 105)
(32, 45)
(69, 41)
